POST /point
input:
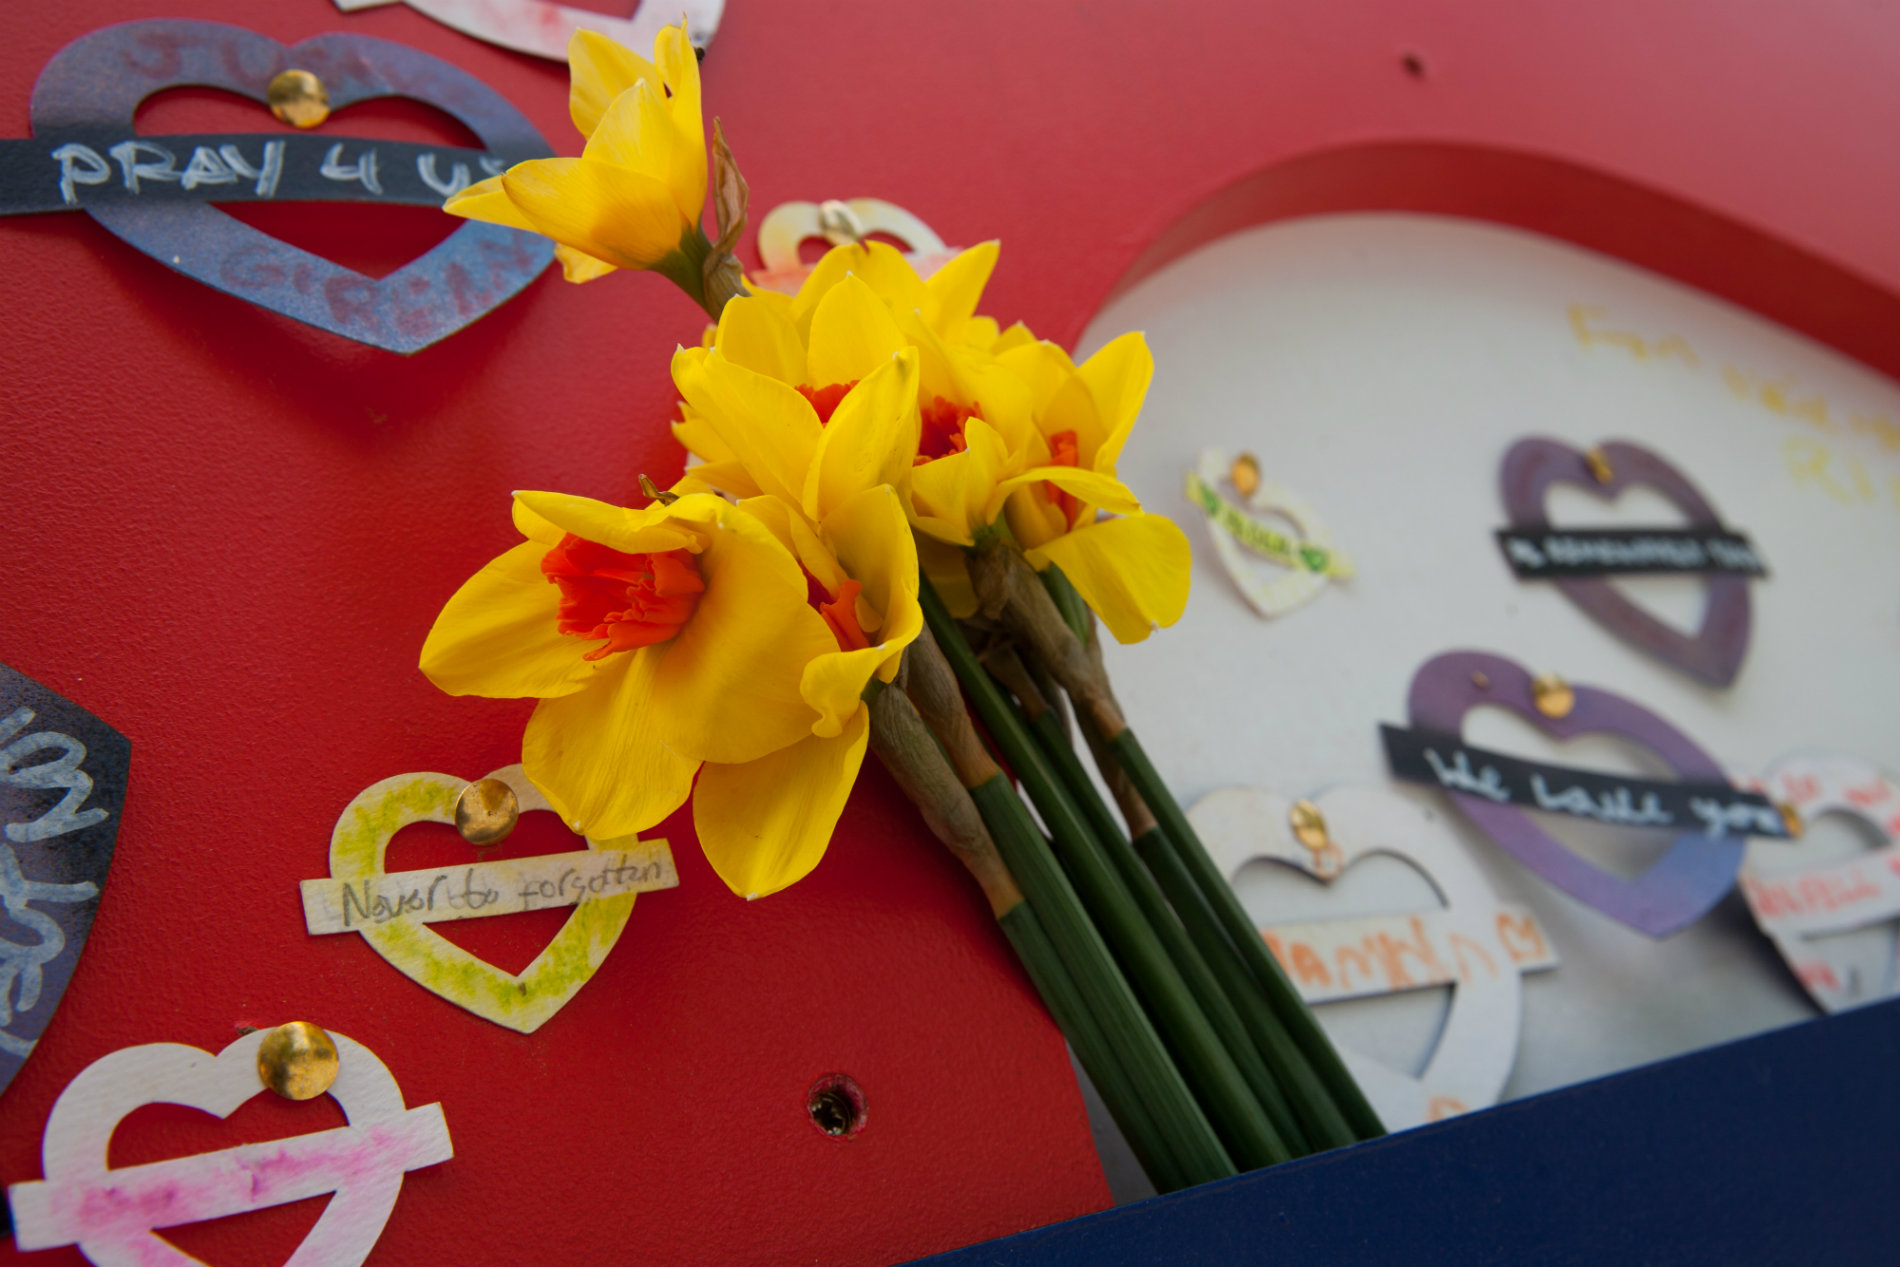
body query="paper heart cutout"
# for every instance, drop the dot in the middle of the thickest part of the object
(93, 86)
(62, 784)
(1715, 653)
(1796, 904)
(1270, 589)
(523, 1001)
(1678, 888)
(543, 30)
(1477, 1045)
(111, 1213)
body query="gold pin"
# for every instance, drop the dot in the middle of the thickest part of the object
(1245, 473)
(1552, 695)
(298, 98)
(839, 223)
(297, 1061)
(1599, 465)
(1791, 818)
(1309, 825)
(1480, 681)
(486, 811)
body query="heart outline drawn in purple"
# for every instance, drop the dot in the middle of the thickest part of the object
(1715, 652)
(1678, 888)
(90, 90)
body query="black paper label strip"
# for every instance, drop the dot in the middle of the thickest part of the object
(1447, 763)
(71, 174)
(1552, 552)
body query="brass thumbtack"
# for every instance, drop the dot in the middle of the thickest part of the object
(1552, 695)
(1245, 473)
(298, 98)
(1309, 825)
(486, 811)
(297, 1061)
(1599, 465)
(658, 494)
(839, 223)
(1791, 818)
(1480, 681)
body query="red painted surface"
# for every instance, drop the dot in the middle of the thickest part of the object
(227, 534)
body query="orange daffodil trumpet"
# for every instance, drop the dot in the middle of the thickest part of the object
(635, 196)
(692, 638)
(1012, 436)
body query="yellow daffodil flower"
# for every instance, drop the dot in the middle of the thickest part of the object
(634, 197)
(655, 639)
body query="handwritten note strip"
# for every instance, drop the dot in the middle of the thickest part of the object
(1364, 956)
(486, 888)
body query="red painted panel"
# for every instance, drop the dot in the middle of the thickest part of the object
(227, 534)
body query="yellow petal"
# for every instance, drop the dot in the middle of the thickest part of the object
(770, 427)
(728, 686)
(700, 438)
(1089, 487)
(682, 526)
(534, 526)
(1014, 337)
(679, 66)
(948, 569)
(1118, 378)
(765, 824)
(730, 478)
(1133, 572)
(579, 266)
(871, 438)
(761, 336)
(1033, 517)
(636, 132)
(786, 522)
(949, 494)
(953, 290)
(852, 334)
(600, 69)
(497, 636)
(597, 754)
(611, 213)
(875, 546)
(487, 200)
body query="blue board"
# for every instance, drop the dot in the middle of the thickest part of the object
(1782, 1148)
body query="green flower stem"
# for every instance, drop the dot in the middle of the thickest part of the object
(1223, 1091)
(904, 742)
(1180, 840)
(1092, 1047)
(1221, 1011)
(1192, 1142)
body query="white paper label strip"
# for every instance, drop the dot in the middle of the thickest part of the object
(1365, 956)
(110, 1213)
(474, 890)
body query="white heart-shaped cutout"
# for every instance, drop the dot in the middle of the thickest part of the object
(1797, 904)
(1277, 572)
(1473, 943)
(111, 1213)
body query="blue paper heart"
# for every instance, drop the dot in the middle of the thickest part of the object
(90, 89)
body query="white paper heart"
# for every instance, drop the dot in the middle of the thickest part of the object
(788, 226)
(542, 29)
(1275, 587)
(1797, 904)
(1464, 944)
(111, 1213)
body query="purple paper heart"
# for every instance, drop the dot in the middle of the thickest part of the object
(91, 88)
(1678, 888)
(1714, 654)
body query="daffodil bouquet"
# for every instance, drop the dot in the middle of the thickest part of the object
(899, 513)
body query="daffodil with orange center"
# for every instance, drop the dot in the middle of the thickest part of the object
(1012, 435)
(681, 640)
(635, 196)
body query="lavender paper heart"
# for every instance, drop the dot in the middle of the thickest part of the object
(1678, 888)
(90, 90)
(1714, 653)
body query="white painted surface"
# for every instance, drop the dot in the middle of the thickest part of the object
(1381, 364)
